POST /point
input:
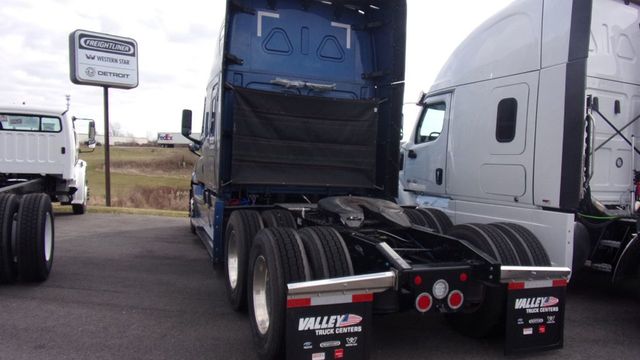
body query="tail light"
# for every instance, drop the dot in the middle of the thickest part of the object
(424, 302)
(455, 299)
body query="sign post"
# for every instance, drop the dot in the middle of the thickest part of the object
(107, 154)
(108, 61)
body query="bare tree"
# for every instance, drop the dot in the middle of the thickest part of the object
(115, 129)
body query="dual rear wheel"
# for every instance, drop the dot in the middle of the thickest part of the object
(509, 244)
(506, 243)
(26, 237)
(264, 253)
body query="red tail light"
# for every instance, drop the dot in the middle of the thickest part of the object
(455, 299)
(424, 302)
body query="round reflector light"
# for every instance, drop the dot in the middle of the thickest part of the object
(417, 280)
(424, 302)
(440, 289)
(464, 277)
(455, 299)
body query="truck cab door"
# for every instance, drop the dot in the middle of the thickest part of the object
(426, 153)
(210, 153)
(211, 145)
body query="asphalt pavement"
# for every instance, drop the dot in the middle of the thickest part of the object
(141, 287)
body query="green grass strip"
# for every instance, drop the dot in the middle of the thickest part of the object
(119, 210)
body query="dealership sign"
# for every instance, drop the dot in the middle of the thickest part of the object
(103, 60)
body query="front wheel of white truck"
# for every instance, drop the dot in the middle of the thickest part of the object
(277, 258)
(81, 208)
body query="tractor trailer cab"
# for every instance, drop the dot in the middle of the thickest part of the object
(532, 122)
(292, 193)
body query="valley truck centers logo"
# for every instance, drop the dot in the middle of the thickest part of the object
(538, 304)
(103, 60)
(329, 325)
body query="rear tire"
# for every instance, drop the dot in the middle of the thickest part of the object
(487, 239)
(278, 218)
(539, 256)
(327, 252)
(485, 319)
(277, 259)
(439, 220)
(242, 227)
(35, 237)
(8, 267)
(416, 217)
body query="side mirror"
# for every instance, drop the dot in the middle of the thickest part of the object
(186, 122)
(187, 116)
(91, 138)
(92, 132)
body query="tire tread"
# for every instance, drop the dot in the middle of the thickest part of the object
(416, 217)
(8, 208)
(30, 264)
(540, 256)
(440, 221)
(278, 218)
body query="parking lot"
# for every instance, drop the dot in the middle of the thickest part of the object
(141, 287)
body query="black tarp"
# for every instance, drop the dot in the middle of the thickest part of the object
(286, 139)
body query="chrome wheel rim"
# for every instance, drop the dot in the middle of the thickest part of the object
(260, 299)
(232, 260)
(48, 237)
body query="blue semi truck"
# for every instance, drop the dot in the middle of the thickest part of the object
(293, 192)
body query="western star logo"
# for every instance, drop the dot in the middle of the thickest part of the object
(537, 302)
(327, 322)
(110, 45)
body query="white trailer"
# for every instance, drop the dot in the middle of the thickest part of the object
(171, 139)
(39, 164)
(532, 121)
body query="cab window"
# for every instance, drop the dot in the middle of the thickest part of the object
(431, 123)
(30, 123)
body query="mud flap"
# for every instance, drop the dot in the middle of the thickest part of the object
(535, 316)
(329, 327)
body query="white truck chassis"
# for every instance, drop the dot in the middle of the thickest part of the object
(38, 164)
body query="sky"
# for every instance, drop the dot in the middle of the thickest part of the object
(176, 44)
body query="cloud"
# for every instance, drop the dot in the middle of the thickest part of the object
(176, 50)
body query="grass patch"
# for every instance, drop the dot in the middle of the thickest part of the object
(141, 177)
(59, 209)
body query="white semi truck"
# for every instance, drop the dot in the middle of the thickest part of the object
(532, 122)
(39, 163)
